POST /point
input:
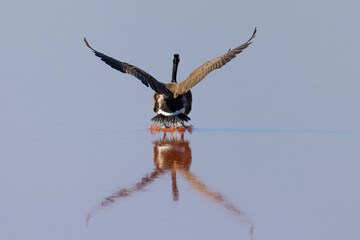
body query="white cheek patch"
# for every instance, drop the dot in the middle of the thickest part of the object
(171, 114)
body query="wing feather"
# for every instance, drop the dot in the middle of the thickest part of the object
(200, 73)
(140, 74)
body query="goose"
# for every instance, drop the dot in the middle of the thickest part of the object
(172, 101)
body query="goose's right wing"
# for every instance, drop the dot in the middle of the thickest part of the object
(145, 78)
(201, 72)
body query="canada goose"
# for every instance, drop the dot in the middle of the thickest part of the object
(172, 101)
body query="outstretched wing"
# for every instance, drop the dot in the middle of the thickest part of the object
(201, 72)
(145, 78)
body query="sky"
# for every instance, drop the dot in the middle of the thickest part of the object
(63, 113)
(301, 72)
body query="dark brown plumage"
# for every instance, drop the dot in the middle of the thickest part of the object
(124, 67)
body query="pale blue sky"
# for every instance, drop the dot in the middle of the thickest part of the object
(300, 73)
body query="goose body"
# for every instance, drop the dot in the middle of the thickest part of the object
(172, 101)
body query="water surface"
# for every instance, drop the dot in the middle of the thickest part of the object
(211, 184)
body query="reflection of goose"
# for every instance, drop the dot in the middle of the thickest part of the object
(173, 155)
(172, 101)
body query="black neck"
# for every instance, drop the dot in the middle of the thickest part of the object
(176, 61)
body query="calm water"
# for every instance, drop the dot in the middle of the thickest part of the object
(211, 184)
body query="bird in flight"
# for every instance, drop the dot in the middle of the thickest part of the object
(172, 101)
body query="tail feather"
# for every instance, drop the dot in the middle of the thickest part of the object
(169, 121)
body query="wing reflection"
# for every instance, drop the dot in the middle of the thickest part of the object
(172, 155)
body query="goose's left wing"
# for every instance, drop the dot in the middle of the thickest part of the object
(124, 67)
